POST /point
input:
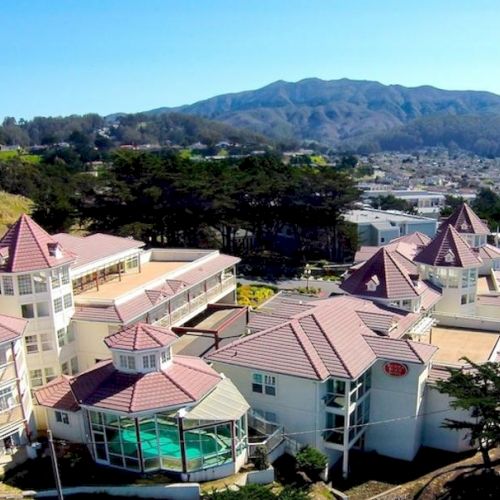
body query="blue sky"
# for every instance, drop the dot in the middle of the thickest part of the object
(59, 57)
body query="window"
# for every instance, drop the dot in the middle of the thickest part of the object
(46, 341)
(65, 275)
(269, 416)
(40, 282)
(27, 311)
(472, 298)
(68, 301)
(8, 285)
(36, 378)
(62, 417)
(463, 299)
(165, 356)
(61, 337)
(264, 384)
(74, 365)
(70, 333)
(127, 362)
(3, 357)
(49, 374)
(58, 305)
(42, 309)
(6, 398)
(149, 361)
(65, 368)
(31, 343)
(132, 262)
(24, 284)
(54, 278)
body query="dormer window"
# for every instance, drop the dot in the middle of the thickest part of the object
(464, 226)
(449, 257)
(54, 250)
(373, 283)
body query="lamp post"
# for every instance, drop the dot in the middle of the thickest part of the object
(307, 274)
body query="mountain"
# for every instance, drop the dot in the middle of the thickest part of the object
(337, 111)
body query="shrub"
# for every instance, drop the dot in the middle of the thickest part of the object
(260, 459)
(311, 461)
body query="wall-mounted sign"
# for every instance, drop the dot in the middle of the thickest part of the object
(395, 369)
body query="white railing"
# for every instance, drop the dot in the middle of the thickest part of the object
(178, 313)
(228, 283)
(164, 321)
(214, 291)
(197, 302)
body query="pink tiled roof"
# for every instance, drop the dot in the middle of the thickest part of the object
(488, 252)
(185, 381)
(331, 338)
(438, 372)
(11, 328)
(57, 394)
(448, 249)
(464, 220)
(95, 246)
(416, 238)
(140, 337)
(489, 300)
(430, 296)
(400, 349)
(28, 247)
(208, 268)
(390, 278)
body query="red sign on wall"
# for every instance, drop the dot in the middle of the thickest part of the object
(395, 369)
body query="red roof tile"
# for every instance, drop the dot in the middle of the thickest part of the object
(57, 394)
(417, 238)
(185, 381)
(29, 246)
(140, 337)
(401, 349)
(208, 268)
(382, 276)
(328, 339)
(488, 252)
(464, 220)
(448, 249)
(11, 328)
(94, 247)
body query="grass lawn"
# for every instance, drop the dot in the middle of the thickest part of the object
(13, 206)
(6, 155)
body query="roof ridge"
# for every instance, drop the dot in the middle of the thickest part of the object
(132, 396)
(331, 345)
(304, 339)
(412, 349)
(170, 378)
(195, 368)
(401, 270)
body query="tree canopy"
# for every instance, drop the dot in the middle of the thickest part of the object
(477, 391)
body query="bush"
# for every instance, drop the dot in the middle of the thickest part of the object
(254, 295)
(311, 461)
(260, 459)
(258, 492)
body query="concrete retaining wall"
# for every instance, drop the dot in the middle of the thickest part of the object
(261, 476)
(189, 491)
(473, 322)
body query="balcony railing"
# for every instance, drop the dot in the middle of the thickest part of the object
(197, 302)
(178, 313)
(11, 415)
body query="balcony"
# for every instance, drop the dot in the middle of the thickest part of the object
(7, 372)
(197, 302)
(11, 415)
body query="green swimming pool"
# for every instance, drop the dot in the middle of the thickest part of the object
(198, 443)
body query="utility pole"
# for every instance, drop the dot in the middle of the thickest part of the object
(55, 468)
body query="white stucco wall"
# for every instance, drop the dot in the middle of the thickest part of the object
(396, 398)
(297, 403)
(436, 436)
(89, 337)
(74, 431)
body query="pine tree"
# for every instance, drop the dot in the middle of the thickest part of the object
(476, 389)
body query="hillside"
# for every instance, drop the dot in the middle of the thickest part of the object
(121, 129)
(332, 112)
(12, 207)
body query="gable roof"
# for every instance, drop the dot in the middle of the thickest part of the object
(26, 247)
(11, 328)
(185, 381)
(416, 238)
(140, 337)
(329, 339)
(465, 220)
(94, 247)
(386, 273)
(448, 249)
